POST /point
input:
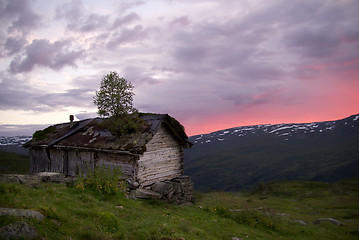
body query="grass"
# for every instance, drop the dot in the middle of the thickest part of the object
(14, 163)
(267, 212)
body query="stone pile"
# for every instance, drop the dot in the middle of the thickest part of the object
(36, 178)
(178, 190)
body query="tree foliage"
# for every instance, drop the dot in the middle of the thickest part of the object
(115, 96)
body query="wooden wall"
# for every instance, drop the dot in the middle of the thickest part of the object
(126, 162)
(163, 159)
(39, 161)
(75, 161)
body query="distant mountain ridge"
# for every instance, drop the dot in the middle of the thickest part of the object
(239, 157)
(14, 144)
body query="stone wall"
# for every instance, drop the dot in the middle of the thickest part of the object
(178, 190)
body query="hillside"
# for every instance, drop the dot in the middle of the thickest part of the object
(285, 210)
(239, 157)
(14, 144)
(14, 163)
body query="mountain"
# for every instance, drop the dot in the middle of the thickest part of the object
(14, 144)
(239, 157)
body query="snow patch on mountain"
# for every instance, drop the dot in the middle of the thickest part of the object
(17, 140)
(284, 131)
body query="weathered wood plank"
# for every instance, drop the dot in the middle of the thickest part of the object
(154, 164)
(162, 139)
(160, 174)
(127, 170)
(56, 160)
(39, 160)
(164, 176)
(159, 168)
(162, 160)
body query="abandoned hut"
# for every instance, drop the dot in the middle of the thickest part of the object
(151, 154)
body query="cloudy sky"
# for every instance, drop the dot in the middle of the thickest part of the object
(212, 64)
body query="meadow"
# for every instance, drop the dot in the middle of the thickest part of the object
(268, 212)
(278, 210)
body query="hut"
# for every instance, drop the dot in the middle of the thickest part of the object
(152, 154)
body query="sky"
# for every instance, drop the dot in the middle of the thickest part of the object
(210, 64)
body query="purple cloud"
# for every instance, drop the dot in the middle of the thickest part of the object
(20, 95)
(72, 12)
(93, 22)
(124, 20)
(43, 53)
(127, 35)
(182, 21)
(313, 42)
(19, 15)
(80, 21)
(14, 45)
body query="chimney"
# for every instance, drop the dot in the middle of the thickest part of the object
(71, 120)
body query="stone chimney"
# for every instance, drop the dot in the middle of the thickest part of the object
(71, 120)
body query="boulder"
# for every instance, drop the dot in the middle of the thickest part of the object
(146, 194)
(51, 177)
(301, 222)
(164, 188)
(21, 213)
(18, 230)
(132, 185)
(178, 190)
(21, 179)
(327, 220)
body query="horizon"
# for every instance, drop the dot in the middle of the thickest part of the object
(31, 128)
(209, 64)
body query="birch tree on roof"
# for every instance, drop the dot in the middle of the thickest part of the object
(115, 96)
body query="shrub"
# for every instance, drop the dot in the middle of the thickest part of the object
(125, 124)
(41, 134)
(102, 181)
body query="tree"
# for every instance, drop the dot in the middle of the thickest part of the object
(115, 96)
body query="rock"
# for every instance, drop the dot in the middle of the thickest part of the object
(9, 178)
(132, 185)
(283, 214)
(327, 220)
(33, 180)
(21, 213)
(183, 190)
(163, 188)
(22, 179)
(51, 177)
(178, 190)
(301, 222)
(18, 230)
(146, 194)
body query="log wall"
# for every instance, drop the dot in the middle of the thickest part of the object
(73, 162)
(39, 161)
(127, 163)
(163, 159)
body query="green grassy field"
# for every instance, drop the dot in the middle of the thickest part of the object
(268, 212)
(14, 163)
